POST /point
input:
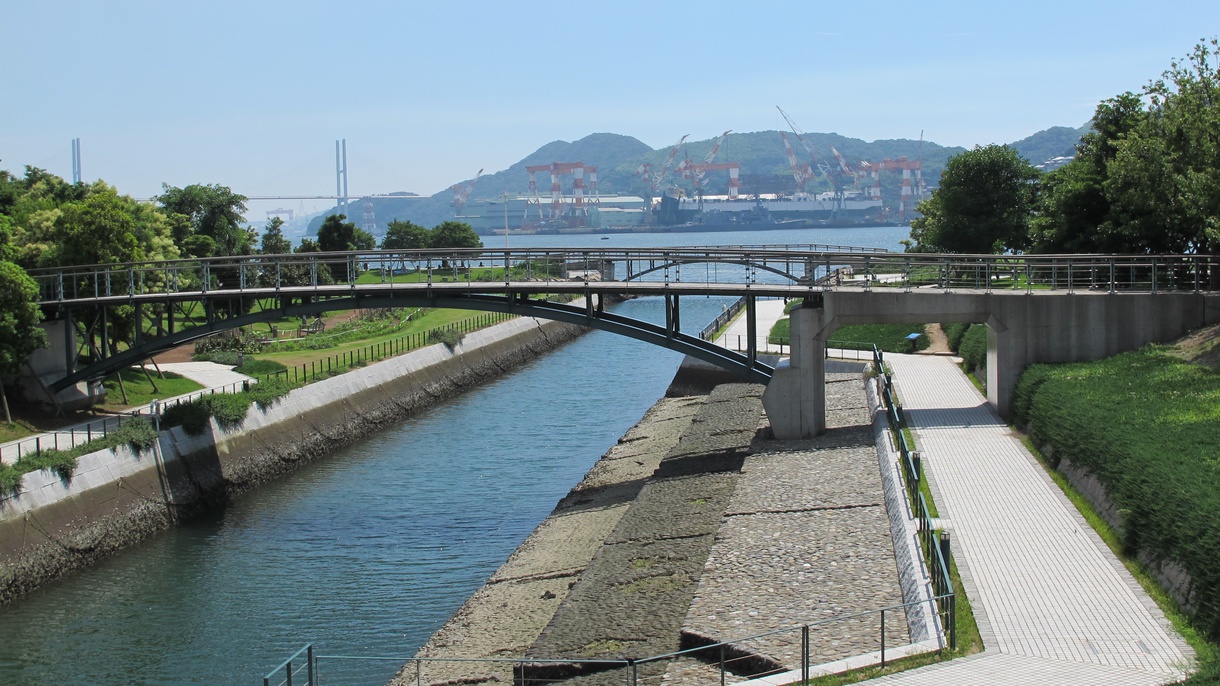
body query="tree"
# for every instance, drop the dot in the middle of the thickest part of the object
(336, 235)
(214, 211)
(1074, 214)
(274, 242)
(454, 235)
(1164, 180)
(20, 334)
(405, 235)
(983, 206)
(97, 230)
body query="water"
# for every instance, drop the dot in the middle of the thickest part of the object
(369, 551)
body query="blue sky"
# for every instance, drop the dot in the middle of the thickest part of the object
(253, 94)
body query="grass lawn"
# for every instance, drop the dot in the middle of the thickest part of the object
(141, 392)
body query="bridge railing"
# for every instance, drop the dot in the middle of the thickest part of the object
(268, 274)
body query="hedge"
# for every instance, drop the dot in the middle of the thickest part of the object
(1147, 425)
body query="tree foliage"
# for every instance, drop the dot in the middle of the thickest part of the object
(454, 235)
(405, 235)
(20, 334)
(273, 242)
(1148, 179)
(337, 235)
(984, 204)
(209, 210)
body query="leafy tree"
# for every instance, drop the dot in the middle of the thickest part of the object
(274, 242)
(1074, 214)
(1164, 181)
(405, 235)
(20, 334)
(984, 204)
(336, 235)
(210, 210)
(454, 235)
(97, 230)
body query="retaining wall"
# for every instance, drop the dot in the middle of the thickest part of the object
(116, 498)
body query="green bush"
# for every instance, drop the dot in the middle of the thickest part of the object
(137, 432)
(890, 338)
(192, 417)
(253, 367)
(266, 393)
(228, 409)
(955, 332)
(973, 350)
(225, 357)
(1146, 425)
(449, 337)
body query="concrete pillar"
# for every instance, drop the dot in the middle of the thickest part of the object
(795, 399)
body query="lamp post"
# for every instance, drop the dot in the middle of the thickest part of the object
(505, 196)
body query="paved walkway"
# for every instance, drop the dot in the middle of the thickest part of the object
(1054, 604)
(767, 312)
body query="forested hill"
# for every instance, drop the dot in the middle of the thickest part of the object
(759, 153)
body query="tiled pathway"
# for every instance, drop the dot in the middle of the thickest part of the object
(1054, 604)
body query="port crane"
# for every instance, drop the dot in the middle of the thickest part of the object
(461, 193)
(833, 174)
(654, 180)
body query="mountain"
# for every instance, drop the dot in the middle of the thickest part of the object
(1057, 141)
(764, 167)
(602, 150)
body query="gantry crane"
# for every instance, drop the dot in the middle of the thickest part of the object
(833, 174)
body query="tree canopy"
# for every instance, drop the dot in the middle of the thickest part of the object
(212, 211)
(454, 235)
(405, 235)
(984, 204)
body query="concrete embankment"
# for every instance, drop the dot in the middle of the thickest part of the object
(116, 498)
(706, 531)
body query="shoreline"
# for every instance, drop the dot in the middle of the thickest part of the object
(117, 498)
(625, 565)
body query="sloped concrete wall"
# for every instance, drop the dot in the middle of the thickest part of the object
(116, 498)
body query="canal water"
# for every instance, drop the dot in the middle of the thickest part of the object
(369, 551)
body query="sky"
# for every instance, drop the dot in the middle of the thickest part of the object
(253, 95)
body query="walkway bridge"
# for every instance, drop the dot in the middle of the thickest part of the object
(1038, 308)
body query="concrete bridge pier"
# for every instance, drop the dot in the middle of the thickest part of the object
(795, 399)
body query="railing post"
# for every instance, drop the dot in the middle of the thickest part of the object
(805, 652)
(945, 548)
(721, 664)
(882, 638)
(310, 657)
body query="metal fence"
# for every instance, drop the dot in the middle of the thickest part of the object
(796, 651)
(100, 429)
(935, 545)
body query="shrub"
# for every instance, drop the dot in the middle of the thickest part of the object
(137, 432)
(1147, 426)
(973, 349)
(225, 357)
(449, 337)
(955, 332)
(228, 409)
(266, 393)
(253, 367)
(192, 417)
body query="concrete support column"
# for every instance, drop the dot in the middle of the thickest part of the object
(795, 399)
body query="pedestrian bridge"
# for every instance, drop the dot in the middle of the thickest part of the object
(1044, 308)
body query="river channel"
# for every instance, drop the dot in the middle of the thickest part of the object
(369, 551)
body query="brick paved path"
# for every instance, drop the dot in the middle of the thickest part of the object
(1054, 604)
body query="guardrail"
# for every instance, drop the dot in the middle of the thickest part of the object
(736, 659)
(267, 274)
(935, 545)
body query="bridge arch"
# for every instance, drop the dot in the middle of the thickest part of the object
(590, 314)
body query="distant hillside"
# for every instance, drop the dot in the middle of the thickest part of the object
(761, 156)
(602, 150)
(1057, 141)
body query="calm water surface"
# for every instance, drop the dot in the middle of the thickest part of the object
(369, 551)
